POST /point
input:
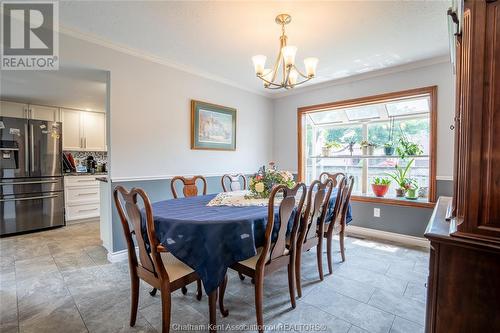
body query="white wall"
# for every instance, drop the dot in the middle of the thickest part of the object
(285, 109)
(150, 116)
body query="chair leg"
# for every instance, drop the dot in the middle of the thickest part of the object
(222, 290)
(135, 299)
(184, 290)
(329, 253)
(212, 308)
(342, 247)
(153, 292)
(165, 310)
(242, 277)
(198, 290)
(319, 256)
(298, 282)
(259, 295)
(291, 282)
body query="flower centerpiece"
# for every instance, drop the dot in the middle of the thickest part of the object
(261, 184)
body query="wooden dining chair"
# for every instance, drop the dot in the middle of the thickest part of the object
(189, 188)
(157, 267)
(275, 253)
(312, 226)
(335, 177)
(337, 223)
(234, 182)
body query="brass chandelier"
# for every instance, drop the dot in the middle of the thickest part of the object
(291, 76)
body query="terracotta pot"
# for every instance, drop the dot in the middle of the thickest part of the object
(380, 190)
(400, 192)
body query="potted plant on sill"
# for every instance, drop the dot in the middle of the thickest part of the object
(411, 190)
(407, 148)
(380, 186)
(400, 177)
(328, 148)
(389, 148)
(367, 147)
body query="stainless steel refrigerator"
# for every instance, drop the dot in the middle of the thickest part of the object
(31, 185)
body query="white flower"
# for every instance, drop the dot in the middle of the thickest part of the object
(259, 187)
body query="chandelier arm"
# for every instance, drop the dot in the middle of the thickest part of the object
(276, 65)
(304, 81)
(300, 73)
(269, 82)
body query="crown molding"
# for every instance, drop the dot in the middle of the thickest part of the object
(364, 76)
(154, 58)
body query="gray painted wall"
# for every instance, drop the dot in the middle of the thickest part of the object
(410, 221)
(398, 219)
(157, 190)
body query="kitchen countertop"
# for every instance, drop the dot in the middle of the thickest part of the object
(85, 174)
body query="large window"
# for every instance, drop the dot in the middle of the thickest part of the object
(368, 138)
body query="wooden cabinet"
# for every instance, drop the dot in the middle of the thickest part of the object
(11, 109)
(84, 131)
(82, 197)
(464, 268)
(94, 129)
(476, 206)
(72, 129)
(29, 111)
(39, 112)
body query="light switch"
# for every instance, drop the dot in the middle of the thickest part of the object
(376, 212)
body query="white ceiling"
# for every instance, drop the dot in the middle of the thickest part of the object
(74, 88)
(219, 38)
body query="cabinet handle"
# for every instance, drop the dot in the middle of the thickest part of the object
(87, 210)
(91, 193)
(85, 142)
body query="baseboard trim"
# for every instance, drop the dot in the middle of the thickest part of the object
(119, 256)
(390, 236)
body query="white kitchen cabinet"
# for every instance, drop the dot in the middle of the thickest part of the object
(40, 112)
(72, 129)
(81, 197)
(11, 109)
(84, 131)
(94, 129)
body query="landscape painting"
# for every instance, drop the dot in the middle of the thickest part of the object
(212, 126)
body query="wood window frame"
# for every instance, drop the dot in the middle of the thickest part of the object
(367, 100)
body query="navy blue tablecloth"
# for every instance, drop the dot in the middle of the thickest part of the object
(210, 239)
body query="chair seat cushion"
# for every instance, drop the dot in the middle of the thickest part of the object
(252, 262)
(175, 268)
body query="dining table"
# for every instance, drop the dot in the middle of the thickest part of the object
(210, 238)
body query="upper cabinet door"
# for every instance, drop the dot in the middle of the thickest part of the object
(40, 112)
(72, 129)
(94, 131)
(11, 109)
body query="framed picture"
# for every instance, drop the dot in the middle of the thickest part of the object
(212, 126)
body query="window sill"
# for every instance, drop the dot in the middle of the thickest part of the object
(395, 201)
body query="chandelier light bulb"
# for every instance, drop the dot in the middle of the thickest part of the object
(292, 77)
(259, 62)
(289, 53)
(310, 65)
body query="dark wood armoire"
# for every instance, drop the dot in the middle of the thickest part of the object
(464, 231)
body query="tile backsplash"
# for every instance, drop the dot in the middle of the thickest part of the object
(99, 156)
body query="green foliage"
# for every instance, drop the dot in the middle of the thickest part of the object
(381, 181)
(333, 144)
(400, 175)
(407, 148)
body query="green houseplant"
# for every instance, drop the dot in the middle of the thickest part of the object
(407, 148)
(380, 186)
(389, 145)
(411, 190)
(400, 176)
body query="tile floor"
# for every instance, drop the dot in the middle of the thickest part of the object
(60, 281)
